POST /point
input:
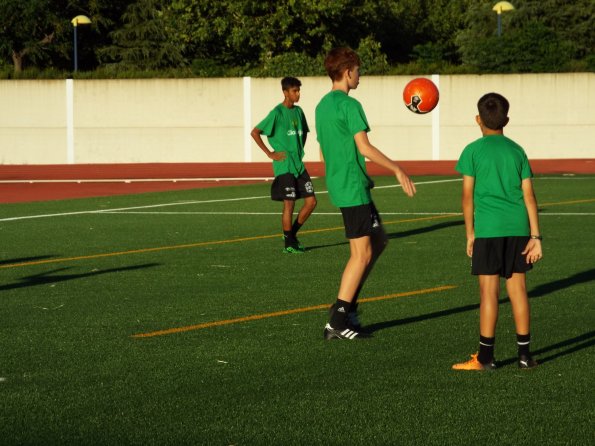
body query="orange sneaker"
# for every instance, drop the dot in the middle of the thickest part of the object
(474, 364)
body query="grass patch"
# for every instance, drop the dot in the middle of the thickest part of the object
(72, 372)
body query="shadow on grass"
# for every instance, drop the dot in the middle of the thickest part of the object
(548, 288)
(25, 260)
(539, 291)
(400, 234)
(573, 345)
(425, 229)
(49, 277)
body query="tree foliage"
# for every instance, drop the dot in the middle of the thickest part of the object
(28, 28)
(146, 40)
(270, 38)
(538, 36)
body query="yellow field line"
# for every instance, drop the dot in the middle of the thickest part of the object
(243, 239)
(196, 245)
(282, 313)
(589, 200)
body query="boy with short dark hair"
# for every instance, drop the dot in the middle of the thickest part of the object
(342, 131)
(502, 225)
(287, 129)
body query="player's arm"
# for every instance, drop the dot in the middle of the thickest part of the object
(533, 249)
(277, 156)
(376, 156)
(467, 203)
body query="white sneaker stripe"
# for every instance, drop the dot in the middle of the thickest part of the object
(349, 334)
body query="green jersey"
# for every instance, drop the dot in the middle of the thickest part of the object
(338, 118)
(499, 165)
(286, 129)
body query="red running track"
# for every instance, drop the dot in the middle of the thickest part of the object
(24, 183)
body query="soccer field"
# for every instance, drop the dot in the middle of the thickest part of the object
(174, 318)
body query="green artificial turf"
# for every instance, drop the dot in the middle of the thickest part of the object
(78, 285)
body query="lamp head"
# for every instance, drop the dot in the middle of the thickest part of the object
(80, 20)
(501, 7)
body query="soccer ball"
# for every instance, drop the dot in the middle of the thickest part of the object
(421, 95)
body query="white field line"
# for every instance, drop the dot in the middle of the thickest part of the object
(454, 214)
(181, 203)
(175, 180)
(139, 180)
(272, 213)
(224, 200)
(566, 177)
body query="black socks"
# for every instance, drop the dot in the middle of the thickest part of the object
(295, 228)
(289, 238)
(523, 342)
(339, 314)
(486, 349)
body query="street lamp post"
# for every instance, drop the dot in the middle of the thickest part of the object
(78, 20)
(501, 7)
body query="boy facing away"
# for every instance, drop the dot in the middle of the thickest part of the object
(287, 129)
(342, 131)
(501, 221)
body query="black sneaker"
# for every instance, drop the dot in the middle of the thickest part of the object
(346, 334)
(527, 362)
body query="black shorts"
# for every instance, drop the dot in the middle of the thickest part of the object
(288, 187)
(499, 255)
(361, 221)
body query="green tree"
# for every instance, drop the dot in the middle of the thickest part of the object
(27, 29)
(39, 33)
(532, 40)
(146, 40)
(572, 22)
(253, 33)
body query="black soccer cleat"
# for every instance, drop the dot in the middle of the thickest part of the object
(527, 362)
(293, 246)
(343, 334)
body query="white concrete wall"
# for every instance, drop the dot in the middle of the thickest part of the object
(209, 120)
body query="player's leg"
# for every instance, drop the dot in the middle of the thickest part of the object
(517, 293)
(287, 215)
(489, 292)
(487, 264)
(519, 300)
(291, 244)
(357, 266)
(358, 229)
(305, 190)
(284, 189)
(359, 259)
(379, 241)
(303, 215)
(306, 210)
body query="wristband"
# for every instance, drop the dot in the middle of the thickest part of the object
(537, 237)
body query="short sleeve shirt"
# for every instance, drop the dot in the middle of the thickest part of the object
(286, 129)
(498, 165)
(338, 118)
